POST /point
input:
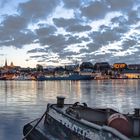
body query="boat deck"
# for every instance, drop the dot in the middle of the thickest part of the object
(87, 114)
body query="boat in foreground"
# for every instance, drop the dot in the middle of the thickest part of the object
(80, 122)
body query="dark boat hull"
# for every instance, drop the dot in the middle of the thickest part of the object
(70, 77)
(53, 130)
(34, 135)
(62, 132)
(41, 132)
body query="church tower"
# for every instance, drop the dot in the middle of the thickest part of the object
(12, 65)
(6, 63)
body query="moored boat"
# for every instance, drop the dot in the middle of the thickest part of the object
(74, 76)
(80, 122)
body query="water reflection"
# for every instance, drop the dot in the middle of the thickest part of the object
(22, 101)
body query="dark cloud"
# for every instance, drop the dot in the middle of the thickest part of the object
(128, 43)
(36, 50)
(133, 17)
(93, 47)
(76, 40)
(122, 25)
(120, 4)
(57, 44)
(45, 58)
(56, 49)
(84, 50)
(107, 34)
(37, 9)
(61, 22)
(67, 54)
(95, 10)
(85, 39)
(72, 3)
(121, 29)
(59, 49)
(120, 20)
(129, 58)
(96, 58)
(20, 39)
(4, 36)
(78, 28)
(132, 42)
(13, 32)
(105, 37)
(45, 31)
(102, 57)
(103, 28)
(135, 37)
(59, 41)
(73, 40)
(53, 40)
(14, 23)
(36, 56)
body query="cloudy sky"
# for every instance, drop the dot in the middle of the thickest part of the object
(60, 32)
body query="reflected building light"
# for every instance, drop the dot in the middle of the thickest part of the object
(78, 88)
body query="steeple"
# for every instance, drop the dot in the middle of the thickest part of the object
(5, 63)
(12, 65)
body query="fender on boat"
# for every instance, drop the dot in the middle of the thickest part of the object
(120, 123)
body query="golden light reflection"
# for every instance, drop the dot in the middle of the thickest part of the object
(125, 91)
(17, 91)
(103, 93)
(65, 88)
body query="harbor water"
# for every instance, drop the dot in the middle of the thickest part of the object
(24, 101)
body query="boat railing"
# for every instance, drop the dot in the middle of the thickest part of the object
(97, 127)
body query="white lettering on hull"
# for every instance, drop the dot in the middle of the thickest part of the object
(83, 131)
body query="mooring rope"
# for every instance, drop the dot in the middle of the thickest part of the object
(24, 138)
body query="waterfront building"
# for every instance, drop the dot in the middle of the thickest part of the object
(118, 66)
(134, 67)
(8, 68)
(86, 67)
(131, 74)
(8, 71)
(102, 67)
(74, 67)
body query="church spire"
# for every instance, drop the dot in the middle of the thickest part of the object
(6, 63)
(12, 65)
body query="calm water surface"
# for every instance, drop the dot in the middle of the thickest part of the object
(23, 101)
